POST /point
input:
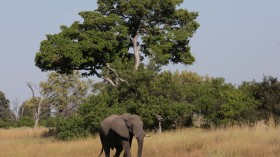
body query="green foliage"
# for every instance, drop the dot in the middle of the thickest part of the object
(267, 94)
(5, 111)
(147, 94)
(64, 93)
(179, 98)
(106, 36)
(48, 122)
(88, 118)
(220, 103)
(82, 46)
(22, 122)
(250, 114)
(7, 124)
(98, 108)
(70, 128)
(25, 122)
(165, 30)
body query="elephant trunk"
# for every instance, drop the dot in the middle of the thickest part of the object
(140, 142)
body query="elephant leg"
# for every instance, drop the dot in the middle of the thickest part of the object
(130, 141)
(126, 147)
(107, 151)
(119, 149)
(105, 145)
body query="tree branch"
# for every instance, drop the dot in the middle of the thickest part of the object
(115, 72)
(29, 85)
(110, 81)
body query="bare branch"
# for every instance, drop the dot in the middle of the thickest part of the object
(29, 85)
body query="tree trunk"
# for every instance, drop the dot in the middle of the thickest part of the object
(159, 118)
(136, 52)
(37, 114)
(36, 123)
(159, 127)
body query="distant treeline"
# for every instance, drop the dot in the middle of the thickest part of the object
(180, 99)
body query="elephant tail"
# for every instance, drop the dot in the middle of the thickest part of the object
(101, 152)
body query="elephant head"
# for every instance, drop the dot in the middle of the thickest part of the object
(135, 126)
(126, 126)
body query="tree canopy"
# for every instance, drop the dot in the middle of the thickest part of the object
(156, 29)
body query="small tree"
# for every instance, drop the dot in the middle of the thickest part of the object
(40, 105)
(5, 111)
(61, 94)
(65, 92)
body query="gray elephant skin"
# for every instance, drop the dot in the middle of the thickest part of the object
(117, 132)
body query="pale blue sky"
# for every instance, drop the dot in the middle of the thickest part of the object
(238, 40)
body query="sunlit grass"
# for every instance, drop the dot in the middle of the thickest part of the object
(23, 132)
(27, 142)
(258, 141)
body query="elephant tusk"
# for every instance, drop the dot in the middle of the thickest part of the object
(148, 135)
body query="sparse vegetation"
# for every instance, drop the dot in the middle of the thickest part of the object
(240, 141)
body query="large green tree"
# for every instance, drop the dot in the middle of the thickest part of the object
(121, 31)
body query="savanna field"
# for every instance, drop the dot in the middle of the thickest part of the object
(257, 141)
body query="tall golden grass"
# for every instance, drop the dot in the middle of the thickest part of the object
(258, 141)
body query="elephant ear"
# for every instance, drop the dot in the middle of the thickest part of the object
(119, 126)
(127, 118)
(128, 123)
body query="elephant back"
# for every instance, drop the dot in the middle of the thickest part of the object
(115, 123)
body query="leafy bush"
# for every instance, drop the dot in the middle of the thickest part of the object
(25, 121)
(267, 96)
(67, 129)
(48, 122)
(6, 124)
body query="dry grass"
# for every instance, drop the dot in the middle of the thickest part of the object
(26, 142)
(257, 141)
(23, 132)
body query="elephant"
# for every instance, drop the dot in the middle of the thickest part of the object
(117, 132)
